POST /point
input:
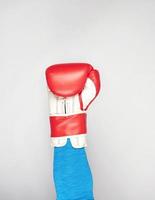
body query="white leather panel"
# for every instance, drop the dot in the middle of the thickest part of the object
(77, 141)
(88, 93)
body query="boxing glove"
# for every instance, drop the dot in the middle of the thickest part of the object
(71, 88)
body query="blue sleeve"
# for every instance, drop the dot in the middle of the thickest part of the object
(72, 175)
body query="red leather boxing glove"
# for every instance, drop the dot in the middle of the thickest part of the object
(72, 87)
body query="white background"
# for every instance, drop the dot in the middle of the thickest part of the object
(117, 37)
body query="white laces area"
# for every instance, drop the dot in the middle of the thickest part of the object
(63, 106)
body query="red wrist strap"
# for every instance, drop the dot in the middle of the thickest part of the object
(68, 125)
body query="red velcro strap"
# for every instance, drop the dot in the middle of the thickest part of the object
(68, 125)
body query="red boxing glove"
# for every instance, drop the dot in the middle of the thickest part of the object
(72, 87)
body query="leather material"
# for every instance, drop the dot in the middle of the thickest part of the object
(68, 125)
(63, 106)
(77, 141)
(72, 87)
(95, 78)
(67, 79)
